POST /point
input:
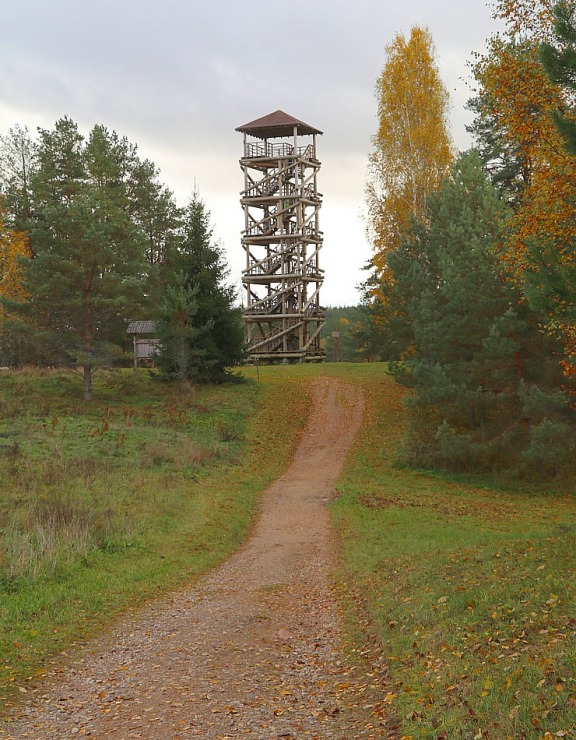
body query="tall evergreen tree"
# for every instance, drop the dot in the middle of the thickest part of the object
(551, 277)
(179, 353)
(153, 209)
(219, 343)
(559, 61)
(86, 277)
(477, 348)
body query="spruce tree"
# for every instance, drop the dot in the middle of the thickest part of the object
(219, 343)
(178, 331)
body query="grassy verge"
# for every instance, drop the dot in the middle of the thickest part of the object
(105, 505)
(470, 592)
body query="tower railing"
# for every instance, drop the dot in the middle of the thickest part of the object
(264, 149)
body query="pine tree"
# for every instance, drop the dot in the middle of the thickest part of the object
(154, 211)
(87, 274)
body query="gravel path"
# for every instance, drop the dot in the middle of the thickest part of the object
(253, 649)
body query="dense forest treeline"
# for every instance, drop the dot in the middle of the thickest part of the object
(91, 239)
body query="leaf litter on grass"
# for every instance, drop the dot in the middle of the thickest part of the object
(468, 590)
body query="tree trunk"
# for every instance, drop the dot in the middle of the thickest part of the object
(88, 337)
(87, 383)
(519, 368)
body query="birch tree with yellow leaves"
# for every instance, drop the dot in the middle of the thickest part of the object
(411, 155)
(412, 150)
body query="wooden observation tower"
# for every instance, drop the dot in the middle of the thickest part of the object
(282, 239)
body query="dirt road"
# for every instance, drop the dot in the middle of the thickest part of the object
(253, 649)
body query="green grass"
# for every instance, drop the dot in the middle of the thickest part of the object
(106, 505)
(468, 590)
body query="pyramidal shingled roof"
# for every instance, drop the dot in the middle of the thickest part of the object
(141, 327)
(276, 124)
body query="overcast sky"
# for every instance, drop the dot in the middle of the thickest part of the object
(178, 76)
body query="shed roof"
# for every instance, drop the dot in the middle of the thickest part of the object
(276, 124)
(141, 327)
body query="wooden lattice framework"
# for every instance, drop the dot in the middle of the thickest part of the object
(282, 239)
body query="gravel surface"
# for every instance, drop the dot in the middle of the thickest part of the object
(252, 649)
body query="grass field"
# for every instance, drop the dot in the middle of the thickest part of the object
(105, 505)
(466, 591)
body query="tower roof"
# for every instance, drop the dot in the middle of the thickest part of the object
(276, 124)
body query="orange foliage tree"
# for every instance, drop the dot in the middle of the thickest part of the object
(526, 19)
(13, 246)
(519, 98)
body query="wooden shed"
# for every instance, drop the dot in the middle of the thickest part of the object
(145, 341)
